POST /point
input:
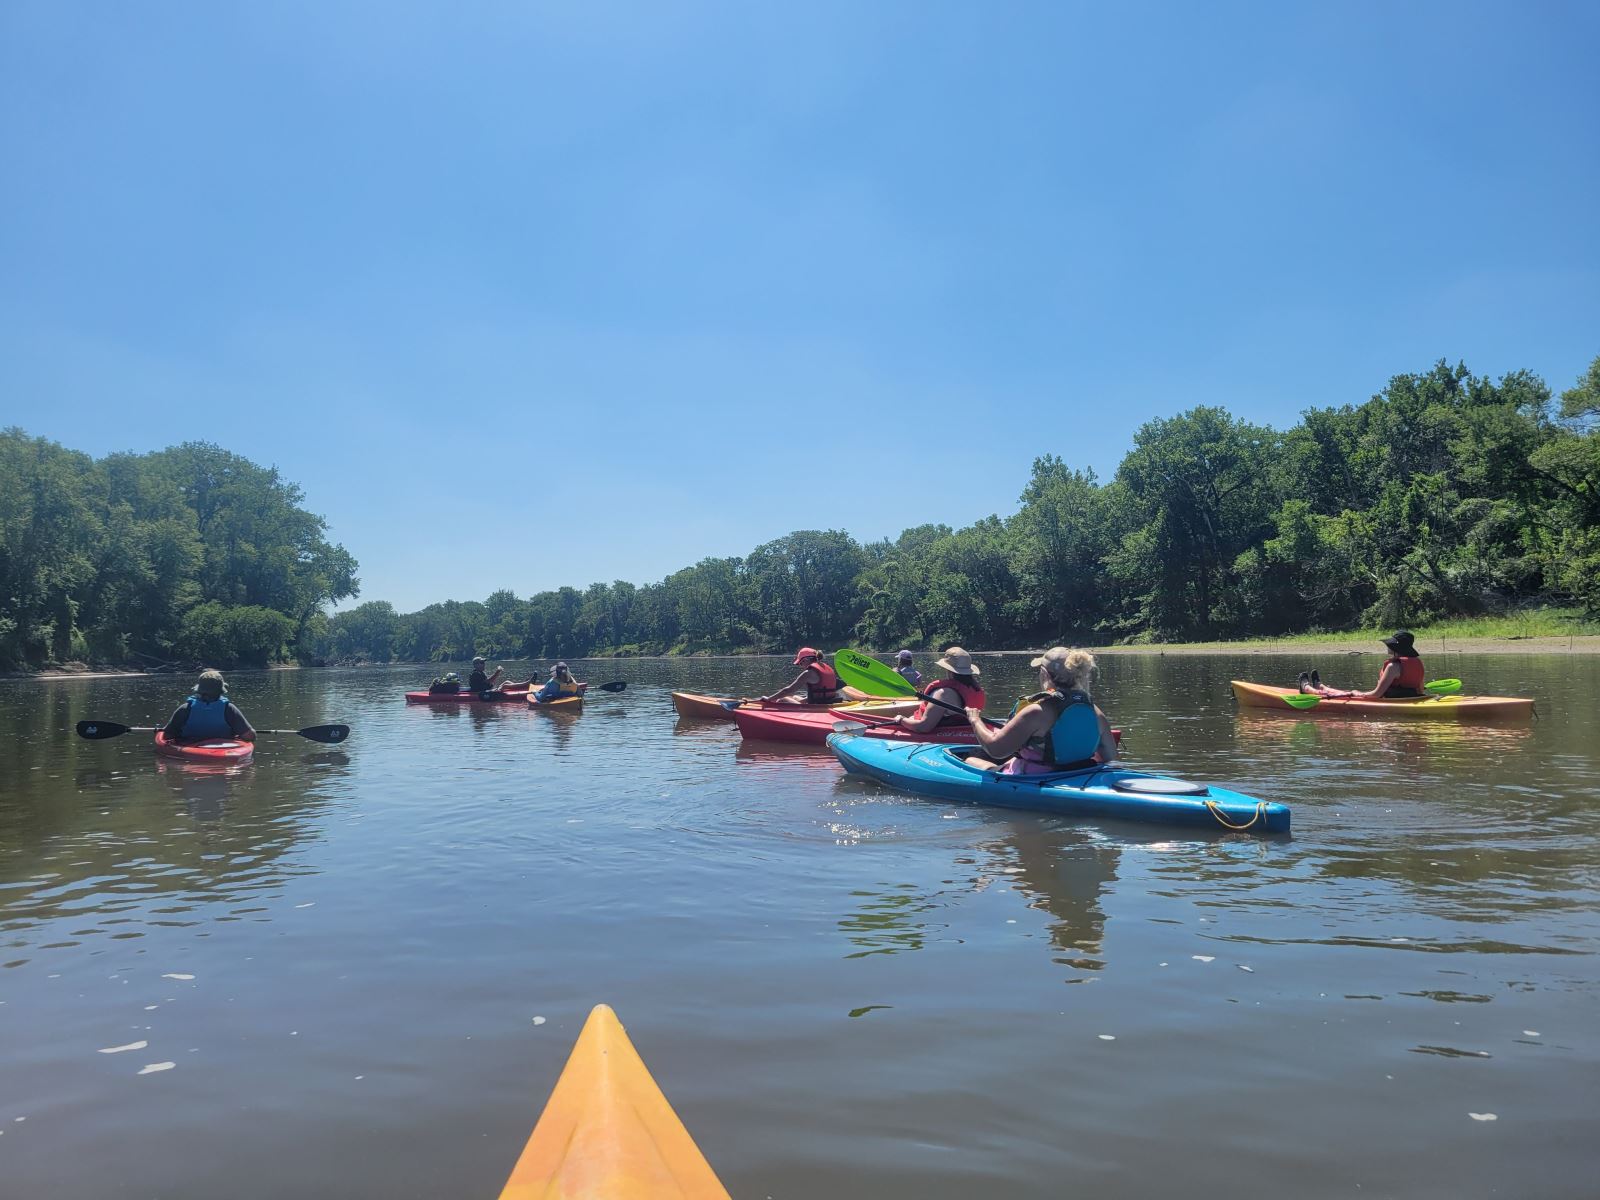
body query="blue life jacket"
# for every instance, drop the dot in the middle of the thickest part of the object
(1075, 734)
(207, 719)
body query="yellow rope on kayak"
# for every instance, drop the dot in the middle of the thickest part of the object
(1260, 815)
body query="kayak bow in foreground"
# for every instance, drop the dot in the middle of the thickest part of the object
(607, 1132)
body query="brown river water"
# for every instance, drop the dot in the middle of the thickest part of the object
(357, 972)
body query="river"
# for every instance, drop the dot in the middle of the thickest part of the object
(356, 972)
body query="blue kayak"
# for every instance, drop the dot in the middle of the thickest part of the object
(930, 769)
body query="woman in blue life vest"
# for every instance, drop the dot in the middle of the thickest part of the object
(956, 692)
(1402, 675)
(208, 714)
(821, 682)
(561, 684)
(1056, 729)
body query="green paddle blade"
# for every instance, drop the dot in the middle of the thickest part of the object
(1442, 687)
(870, 676)
(1302, 701)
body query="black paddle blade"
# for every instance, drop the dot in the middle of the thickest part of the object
(98, 731)
(330, 734)
(618, 686)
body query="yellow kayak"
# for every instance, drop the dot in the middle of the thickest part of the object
(607, 1132)
(570, 704)
(1411, 708)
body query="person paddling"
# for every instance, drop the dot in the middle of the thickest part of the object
(1059, 728)
(208, 714)
(902, 665)
(958, 688)
(820, 680)
(561, 684)
(1402, 675)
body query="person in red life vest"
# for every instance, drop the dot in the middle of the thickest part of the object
(955, 691)
(1060, 728)
(208, 714)
(1402, 675)
(820, 681)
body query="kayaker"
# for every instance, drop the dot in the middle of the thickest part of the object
(208, 713)
(1402, 675)
(902, 664)
(958, 688)
(1056, 729)
(478, 681)
(561, 684)
(819, 679)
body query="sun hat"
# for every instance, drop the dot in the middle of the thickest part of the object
(211, 684)
(903, 656)
(1401, 639)
(804, 655)
(959, 661)
(1056, 655)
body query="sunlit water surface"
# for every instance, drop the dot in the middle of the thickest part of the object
(357, 973)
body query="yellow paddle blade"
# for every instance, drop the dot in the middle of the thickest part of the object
(607, 1132)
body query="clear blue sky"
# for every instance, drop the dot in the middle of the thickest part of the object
(704, 274)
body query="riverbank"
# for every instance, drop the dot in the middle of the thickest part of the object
(1426, 646)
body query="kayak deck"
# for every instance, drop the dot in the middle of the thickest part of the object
(608, 1133)
(1409, 708)
(714, 708)
(1099, 791)
(559, 704)
(225, 752)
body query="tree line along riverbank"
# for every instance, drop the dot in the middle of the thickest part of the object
(1446, 496)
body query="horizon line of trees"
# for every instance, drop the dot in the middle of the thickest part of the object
(1446, 494)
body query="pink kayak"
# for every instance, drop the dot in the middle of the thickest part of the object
(813, 728)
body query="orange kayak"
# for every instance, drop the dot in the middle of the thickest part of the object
(607, 1132)
(692, 704)
(571, 704)
(1410, 708)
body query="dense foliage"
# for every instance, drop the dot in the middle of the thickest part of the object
(1445, 495)
(190, 554)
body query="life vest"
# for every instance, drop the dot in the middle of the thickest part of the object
(1411, 676)
(565, 687)
(827, 692)
(1074, 736)
(207, 719)
(971, 697)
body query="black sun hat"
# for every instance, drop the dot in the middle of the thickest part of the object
(1401, 642)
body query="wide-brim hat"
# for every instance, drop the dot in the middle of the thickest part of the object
(1055, 656)
(959, 662)
(804, 655)
(1401, 639)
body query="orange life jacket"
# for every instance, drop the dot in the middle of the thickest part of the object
(1411, 676)
(971, 697)
(827, 692)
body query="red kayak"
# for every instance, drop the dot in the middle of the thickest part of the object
(813, 728)
(217, 752)
(508, 696)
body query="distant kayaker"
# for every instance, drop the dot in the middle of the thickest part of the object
(1402, 674)
(1056, 729)
(561, 684)
(478, 681)
(820, 680)
(958, 690)
(209, 714)
(902, 664)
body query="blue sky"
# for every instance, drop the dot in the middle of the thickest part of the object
(525, 295)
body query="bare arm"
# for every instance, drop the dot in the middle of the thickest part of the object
(1013, 735)
(1391, 672)
(1106, 751)
(784, 691)
(934, 716)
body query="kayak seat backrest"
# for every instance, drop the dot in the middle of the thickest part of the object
(1160, 787)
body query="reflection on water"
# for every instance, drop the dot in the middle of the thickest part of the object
(847, 991)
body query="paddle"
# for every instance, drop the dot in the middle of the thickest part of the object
(99, 731)
(871, 676)
(618, 685)
(1439, 687)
